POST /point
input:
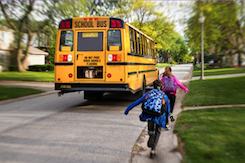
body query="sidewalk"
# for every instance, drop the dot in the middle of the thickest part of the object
(218, 76)
(168, 142)
(168, 149)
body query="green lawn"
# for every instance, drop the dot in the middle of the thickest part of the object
(217, 71)
(212, 135)
(28, 76)
(216, 91)
(13, 92)
(162, 65)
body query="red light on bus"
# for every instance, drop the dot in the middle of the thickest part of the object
(95, 18)
(65, 24)
(108, 75)
(90, 19)
(65, 57)
(119, 25)
(70, 75)
(85, 19)
(116, 23)
(113, 24)
(114, 57)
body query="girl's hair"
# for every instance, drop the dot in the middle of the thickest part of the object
(157, 83)
(168, 72)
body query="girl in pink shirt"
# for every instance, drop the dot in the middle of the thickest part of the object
(171, 84)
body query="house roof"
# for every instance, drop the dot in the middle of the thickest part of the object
(37, 51)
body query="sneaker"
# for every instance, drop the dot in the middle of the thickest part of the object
(152, 155)
(172, 118)
(168, 127)
(151, 140)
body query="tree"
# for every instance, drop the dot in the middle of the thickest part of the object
(145, 17)
(19, 16)
(224, 29)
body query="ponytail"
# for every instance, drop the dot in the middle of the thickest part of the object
(168, 72)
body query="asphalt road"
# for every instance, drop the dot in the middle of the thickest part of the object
(69, 129)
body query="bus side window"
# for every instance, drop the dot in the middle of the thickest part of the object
(131, 36)
(66, 39)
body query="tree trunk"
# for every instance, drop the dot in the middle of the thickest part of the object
(28, 44)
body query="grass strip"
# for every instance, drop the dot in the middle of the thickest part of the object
(28, 76)
(13, 92)
(217, 71)
(212, 135)
(162, 65)
(216, 92)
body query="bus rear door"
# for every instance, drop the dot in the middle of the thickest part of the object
(90, 56)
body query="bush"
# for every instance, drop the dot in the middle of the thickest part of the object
(13, 68)
(1, 63)
(41, 68)
(50, 67)
(38, 67)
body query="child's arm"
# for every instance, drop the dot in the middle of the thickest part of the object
(180, 85)
(135, 103)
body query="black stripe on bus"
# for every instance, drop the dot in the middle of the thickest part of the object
(139, 55)
(132, 73)
(146, 71)
(63, 63)
(130, 63)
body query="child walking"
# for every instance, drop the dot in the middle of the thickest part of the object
(154, 122)
(170, 87)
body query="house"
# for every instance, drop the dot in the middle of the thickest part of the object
(36, 56)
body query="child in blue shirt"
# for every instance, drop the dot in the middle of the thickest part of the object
(154, 122)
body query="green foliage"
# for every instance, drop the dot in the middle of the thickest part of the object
(41, 68)
(13, 92)
(223, 27)
(13, 68)
(212, 135)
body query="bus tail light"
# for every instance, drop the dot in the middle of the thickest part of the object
(65, 57)
(70, 75)
(69, 59)
(109, 75)
(114, 57)
(110, 57)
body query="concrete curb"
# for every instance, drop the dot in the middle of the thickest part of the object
(219, 76)
(26, 97)
(212, 106)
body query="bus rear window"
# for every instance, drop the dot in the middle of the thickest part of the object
(66, 39)
(114, 39)
(90, 41)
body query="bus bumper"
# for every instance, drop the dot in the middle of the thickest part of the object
(103, 87)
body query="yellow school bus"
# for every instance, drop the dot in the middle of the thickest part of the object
(103, 54)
